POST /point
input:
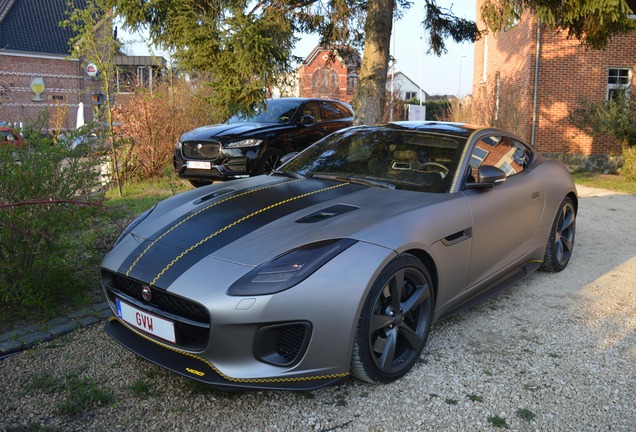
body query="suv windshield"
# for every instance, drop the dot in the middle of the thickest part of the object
(403, 158)
(274, 111)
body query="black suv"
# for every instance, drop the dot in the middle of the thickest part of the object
(245, 146)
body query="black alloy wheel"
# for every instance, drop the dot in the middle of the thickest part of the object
(561, 240)
(395, 322)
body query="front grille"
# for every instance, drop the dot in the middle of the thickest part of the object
(200, 149)
(236, 164)
(282, 344)
(290, 340)
(192, 320)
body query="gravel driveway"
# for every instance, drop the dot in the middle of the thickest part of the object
(553, 353)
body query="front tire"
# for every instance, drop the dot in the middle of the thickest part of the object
(561, 241)
(395, 322)
(270, 160)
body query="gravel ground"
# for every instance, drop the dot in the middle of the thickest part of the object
(556, 352)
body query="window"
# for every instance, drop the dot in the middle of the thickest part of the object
(332, 111)
(618, 81)
(502, 152)
(352, 82)
(410, 95)
(516, 15)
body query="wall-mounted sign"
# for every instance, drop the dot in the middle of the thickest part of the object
(91, 70)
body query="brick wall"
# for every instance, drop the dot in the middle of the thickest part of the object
(568, 74)
(320, 78)
(65, 86)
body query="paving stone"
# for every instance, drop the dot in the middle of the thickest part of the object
(33, 338)
(99, 307)
(88, 321)
(105, 313)
(80, 313)
(56, 322)
(64, 328)
(12, 334)
(10, 346)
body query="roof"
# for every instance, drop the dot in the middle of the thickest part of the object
(33, 26)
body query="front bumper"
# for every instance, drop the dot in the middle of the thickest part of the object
(199, 369)
(230, 164)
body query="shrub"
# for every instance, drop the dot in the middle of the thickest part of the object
(151, 124)
(48, 192)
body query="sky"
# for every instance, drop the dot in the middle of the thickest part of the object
(436, 75)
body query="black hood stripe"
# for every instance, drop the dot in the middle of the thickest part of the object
(201, 234)
(196, 213)
(238, 221)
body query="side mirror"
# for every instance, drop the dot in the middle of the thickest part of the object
(287, 158)
(307, 120)
(488, 176)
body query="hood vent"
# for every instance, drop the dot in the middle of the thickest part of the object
(327, 213)
(212, 195)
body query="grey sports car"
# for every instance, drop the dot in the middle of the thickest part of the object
(339, 262)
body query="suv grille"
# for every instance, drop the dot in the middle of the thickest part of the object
(200, 149)
(192, 320)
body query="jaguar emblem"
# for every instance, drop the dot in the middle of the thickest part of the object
(146, 294)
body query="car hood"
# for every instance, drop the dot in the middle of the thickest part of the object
(247, 222)
(225, 132)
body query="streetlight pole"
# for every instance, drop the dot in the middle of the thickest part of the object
(459, 88)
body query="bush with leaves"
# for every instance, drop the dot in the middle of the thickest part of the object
(151, 124)
(48, 193)
(615, 117)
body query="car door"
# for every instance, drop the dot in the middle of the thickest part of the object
(505, 218)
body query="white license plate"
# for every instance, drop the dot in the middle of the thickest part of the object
(145, 321)
(198, 165)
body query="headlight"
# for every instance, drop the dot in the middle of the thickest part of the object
(244, 143)
(139, 219)
(288, 269)
(178, 145)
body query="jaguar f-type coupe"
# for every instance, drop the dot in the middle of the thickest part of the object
(340, 261)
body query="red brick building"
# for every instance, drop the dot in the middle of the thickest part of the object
(33, 51)
(528, 78)
(328, 76)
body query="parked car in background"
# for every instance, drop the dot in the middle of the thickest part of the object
(341, 260)
(10, 136)
(250, 145)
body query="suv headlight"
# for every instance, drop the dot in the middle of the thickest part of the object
(178, 145)
(288, 269)
(244, 143)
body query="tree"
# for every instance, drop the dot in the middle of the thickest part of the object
(247, 46)
(94, 42)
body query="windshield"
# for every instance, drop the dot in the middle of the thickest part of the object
(274, 111)
(400, 158)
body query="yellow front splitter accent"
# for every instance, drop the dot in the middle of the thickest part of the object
(197, 368)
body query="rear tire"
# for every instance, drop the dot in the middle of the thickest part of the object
(561, 241)
(395, 322)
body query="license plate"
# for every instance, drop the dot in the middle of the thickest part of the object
(145, 321)
(199, 165)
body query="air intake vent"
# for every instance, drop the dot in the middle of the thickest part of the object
(327, 213)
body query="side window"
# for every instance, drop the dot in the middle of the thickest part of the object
(506, 153)
(331, 111)
(312, 109)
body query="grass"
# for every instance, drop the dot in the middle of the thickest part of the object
(81, 394)
(606, 181)
(526, 415)
(498, 422)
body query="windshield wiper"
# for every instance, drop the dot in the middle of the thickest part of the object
(289, 174)
(357, 180)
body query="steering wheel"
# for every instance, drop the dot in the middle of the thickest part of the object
(443, 168)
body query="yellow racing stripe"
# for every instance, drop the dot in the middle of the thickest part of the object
(198, 212)
(236, 222)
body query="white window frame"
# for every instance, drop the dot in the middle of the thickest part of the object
(619, 84)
